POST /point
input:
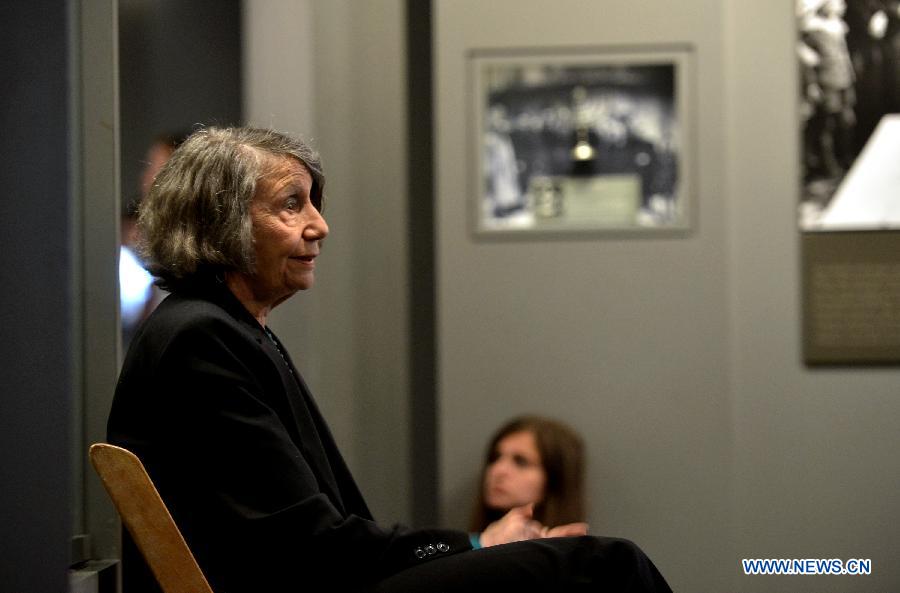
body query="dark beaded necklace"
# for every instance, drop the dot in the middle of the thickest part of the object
(275, 343)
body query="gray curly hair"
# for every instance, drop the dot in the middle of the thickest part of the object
(196, 216)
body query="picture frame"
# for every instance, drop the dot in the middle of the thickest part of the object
(592, 140)
(848, 217)
(848, 57)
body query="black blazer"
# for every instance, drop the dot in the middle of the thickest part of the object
(230, 434)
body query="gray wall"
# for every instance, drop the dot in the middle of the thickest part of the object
(36, 496)
(679, 359)
(345, 91)
(815, 471)
(624, 338)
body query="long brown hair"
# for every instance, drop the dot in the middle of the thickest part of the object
(562, 457)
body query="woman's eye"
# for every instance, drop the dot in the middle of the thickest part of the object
(521, 461)
(291, 203)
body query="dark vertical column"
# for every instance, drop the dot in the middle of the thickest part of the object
(423, 372)
(36, 315)
(180, 65)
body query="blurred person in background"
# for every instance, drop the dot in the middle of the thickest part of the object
(532, 460)
(138, 295)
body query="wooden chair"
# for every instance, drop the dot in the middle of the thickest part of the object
(148, 520)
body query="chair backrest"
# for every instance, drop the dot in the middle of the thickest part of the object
(148, 520)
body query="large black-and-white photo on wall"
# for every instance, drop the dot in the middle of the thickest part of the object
(593, 140)
(849, 60)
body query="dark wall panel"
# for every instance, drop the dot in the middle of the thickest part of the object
(35, 263)
(179, 65)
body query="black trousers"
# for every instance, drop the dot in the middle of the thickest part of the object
(556, 564)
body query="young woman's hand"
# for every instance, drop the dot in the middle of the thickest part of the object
(514, 526)
(518, 525)
(567, 530)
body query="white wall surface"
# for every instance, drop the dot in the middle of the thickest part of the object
(678, 359)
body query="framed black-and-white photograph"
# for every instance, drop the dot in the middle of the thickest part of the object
(587, 140)
(848, 53)
(848, 56)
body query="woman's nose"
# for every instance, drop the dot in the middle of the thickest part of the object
(317, 228)
(499, 467)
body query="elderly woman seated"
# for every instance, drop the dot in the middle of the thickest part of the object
(211, 402)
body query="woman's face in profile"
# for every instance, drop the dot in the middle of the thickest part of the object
(515, 474)
(287, 230)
